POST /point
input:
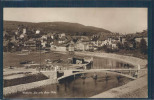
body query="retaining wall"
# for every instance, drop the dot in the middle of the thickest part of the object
(24, 87)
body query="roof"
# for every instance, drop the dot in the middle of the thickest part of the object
(62, 39)
(85, 39)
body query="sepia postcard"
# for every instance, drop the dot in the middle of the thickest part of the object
(75, 52)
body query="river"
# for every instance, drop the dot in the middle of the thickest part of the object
(81, 88)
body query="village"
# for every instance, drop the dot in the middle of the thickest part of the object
(25, 38)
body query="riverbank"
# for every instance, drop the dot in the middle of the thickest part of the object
(128, 59)
(134, 89)
(23, 87)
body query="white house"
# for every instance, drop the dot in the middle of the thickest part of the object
(37, 32)
(16, 33)
(61, 40)
(22, 36)
(114, 45)
(44, 37)
(24, 31)
(71, 46)
(43, 44)
(109, 41)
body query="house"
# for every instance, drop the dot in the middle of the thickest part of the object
(109, 41)
(61, 35)
(22, 36)
(102, 41)
(91, 47)
(43, 38)
(114, 45)
(70, 47)
(24, 30)
(31, 44)
(122, 39)
(51, 35)
(79, 46)
(61, 40)
(81, 43)
(43, 44)
(16, 33)
(61, 48)
(94, 40)
(37, 32)
(86, 46)
(138, 39)
(85, 40)
(51, 41)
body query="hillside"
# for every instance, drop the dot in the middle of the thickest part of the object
(66, 27)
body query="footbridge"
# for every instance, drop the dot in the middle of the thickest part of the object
(74, 72)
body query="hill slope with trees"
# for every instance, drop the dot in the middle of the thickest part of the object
(66, 27)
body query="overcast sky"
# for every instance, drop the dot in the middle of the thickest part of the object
(123, 20)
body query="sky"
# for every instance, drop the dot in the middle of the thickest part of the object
(122, 20)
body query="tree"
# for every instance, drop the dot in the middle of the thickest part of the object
(126, 45)
(120, 45)
(134, 44)
(143, 46)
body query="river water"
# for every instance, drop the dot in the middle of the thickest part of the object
(107, 63)
(77, 87)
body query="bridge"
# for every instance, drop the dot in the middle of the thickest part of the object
(114, 71)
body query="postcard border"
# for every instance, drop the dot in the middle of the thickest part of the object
(84, 3)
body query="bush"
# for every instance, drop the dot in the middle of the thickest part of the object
(120, 45)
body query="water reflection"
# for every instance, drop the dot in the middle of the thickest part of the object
(80, 87)
(99, 63)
